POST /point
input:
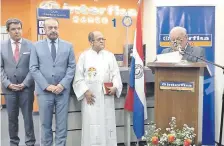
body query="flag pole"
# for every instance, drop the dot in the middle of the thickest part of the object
(139, 3)
(137, 142)
(128, 114)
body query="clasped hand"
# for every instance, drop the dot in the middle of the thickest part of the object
(89, 97)
(16, 87)
(55, 89)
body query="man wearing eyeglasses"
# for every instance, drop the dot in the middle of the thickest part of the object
(97, 82)
(179, 42)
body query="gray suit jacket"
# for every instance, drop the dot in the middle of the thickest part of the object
(46, 72)
(16, 73)
(196, 51)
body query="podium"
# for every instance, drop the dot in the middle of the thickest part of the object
(179, 94)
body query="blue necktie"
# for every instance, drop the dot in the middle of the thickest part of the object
(53, 50)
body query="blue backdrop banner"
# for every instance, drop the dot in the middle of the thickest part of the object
(200, 24)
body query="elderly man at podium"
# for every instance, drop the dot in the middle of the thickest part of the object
(179, 42)
(97, 81)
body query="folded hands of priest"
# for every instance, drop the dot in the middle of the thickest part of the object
(89, 97)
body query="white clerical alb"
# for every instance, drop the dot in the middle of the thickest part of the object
(98, 120)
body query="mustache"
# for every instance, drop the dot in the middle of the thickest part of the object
(53, 33)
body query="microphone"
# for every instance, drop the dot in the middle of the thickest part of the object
(182, 52)
(177, 44)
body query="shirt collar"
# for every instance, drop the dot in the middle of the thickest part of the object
(49, 41)
(100, 52)
(13, 42)
(186, 46)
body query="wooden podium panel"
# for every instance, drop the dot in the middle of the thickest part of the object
(179, 101)
(180, 104)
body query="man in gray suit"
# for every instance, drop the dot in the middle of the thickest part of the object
(17, 83)
(179, 35)
(52, 65)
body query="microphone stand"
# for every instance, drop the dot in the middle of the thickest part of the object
(222, 112)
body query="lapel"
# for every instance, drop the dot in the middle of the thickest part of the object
(10, 53)
(45, 43)
(59, 50)
(22, 50)
(188, 49)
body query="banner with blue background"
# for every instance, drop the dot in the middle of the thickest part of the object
(200, 24)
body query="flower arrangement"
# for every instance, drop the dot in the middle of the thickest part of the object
(172, 136)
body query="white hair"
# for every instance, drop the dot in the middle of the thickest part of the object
(180, 30)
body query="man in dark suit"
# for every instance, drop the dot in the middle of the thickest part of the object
(180, 34)
(17, 83)
(52, 65)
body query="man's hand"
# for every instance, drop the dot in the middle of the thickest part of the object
(111, 90)
(59, 88)
(21, 86)
(51, 88)
(14, 87)
(89, 97)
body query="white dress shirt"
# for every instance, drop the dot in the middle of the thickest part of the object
(13, 44)
(49, 44)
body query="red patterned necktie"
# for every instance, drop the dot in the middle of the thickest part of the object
(16, 53)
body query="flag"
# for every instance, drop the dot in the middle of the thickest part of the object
(135, 100)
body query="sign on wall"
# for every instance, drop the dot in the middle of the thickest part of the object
(53, 13)
(114, 19)
(40, 27)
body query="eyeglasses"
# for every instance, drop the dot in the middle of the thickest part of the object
(51, 27)
(100, 39)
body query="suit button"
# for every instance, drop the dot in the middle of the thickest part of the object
(52, 75)
(53, 65)
(14, 75)
(16, 67)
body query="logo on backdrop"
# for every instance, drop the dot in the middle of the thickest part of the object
(177, 86)
(202, 40)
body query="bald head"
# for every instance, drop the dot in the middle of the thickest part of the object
(96, 40)
(179, 33)
(91, 36)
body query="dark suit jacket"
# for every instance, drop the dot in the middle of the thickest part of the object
(16, 73)
(196, 51)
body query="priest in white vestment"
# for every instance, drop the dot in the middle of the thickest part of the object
(95, 67)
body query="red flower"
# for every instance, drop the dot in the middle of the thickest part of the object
(187, 142)
(155, 140)
(171, 138)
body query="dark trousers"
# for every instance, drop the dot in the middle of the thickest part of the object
(24, 100)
